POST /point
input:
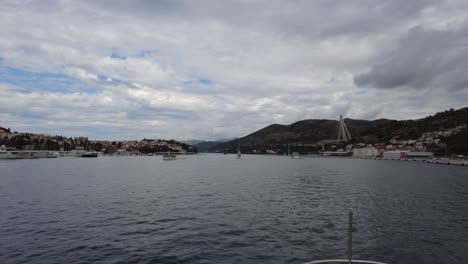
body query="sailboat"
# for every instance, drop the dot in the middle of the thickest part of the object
(239, 154)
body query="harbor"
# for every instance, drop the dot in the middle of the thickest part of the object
(445, 161)
(12, 153)
(233, 132)
(217, 206)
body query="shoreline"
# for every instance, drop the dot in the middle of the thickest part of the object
(434, 161)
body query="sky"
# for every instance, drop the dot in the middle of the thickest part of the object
(118, 69)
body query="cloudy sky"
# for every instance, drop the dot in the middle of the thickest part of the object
(215, 69)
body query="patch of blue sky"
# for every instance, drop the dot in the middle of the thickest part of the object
(118, 56)
(28, 81)
(146, 53)
(90, 90)
(102, 77)
(121, 82)
(205, 81)
(7, 73)
(360, 92)
(197, 80)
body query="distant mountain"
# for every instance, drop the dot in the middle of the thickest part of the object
(205, 146)
(308, 131)
(222, 140)
(192, 141)
(316, 131)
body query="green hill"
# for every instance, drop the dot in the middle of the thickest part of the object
(302, 135)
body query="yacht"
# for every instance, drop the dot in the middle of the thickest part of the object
(89, 155)
(8, 154)
(19, 154)
(295, 155)
(44, 154)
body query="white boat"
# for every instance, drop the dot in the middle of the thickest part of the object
(89, 155)
(169, 156)
(44, 154)
(350, 259)
(239, 153)
(295, 155)
(19, 154)
(4, 154)
(7, 154)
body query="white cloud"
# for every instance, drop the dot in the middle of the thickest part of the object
(80, 74)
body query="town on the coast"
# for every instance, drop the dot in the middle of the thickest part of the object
(29, 145)
(441, 138)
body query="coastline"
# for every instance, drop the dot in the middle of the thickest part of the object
(434, 161)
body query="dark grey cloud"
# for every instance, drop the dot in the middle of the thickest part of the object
(304, 19)
(425, 58)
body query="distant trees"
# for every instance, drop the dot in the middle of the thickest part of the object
(152, 149)
(98, 146)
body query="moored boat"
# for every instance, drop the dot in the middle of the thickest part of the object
(15, 155)
(89, 155)
(20, 154)
(239, 153)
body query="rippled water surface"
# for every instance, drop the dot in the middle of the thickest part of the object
(219, 209)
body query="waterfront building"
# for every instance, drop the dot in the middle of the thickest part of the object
(337, 153)
(368, 151)
(406, 154)
(395, 154)
(419, 155)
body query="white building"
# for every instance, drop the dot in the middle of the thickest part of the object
(365, 152)
(405, 154)
(395, 154)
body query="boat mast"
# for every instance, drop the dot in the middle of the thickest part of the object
(350, 236)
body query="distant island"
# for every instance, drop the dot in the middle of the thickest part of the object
(443, 133)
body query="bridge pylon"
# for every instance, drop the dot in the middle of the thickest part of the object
(343, 133)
